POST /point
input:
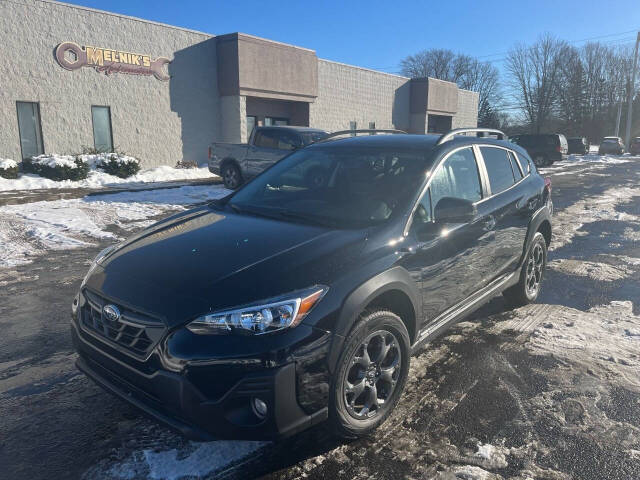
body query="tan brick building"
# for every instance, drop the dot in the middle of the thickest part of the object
(75, 77)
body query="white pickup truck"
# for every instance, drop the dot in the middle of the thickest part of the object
(238, 162)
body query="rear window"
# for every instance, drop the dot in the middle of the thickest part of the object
(516, 167)
(499, 168)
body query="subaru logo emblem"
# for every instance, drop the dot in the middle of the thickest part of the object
(111, 313)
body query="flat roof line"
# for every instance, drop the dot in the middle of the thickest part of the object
(128, 17)
(364, 68)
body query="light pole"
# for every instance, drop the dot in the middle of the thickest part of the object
(632, 85)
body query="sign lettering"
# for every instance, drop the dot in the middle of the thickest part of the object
(72, 56)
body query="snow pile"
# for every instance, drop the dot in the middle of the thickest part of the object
(6, 164)
(31, 229)
(54, 160)
(99, 179)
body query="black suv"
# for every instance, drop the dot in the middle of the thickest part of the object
(292, 301)
(544, 149)
(578, 145)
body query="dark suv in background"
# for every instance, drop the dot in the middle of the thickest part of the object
(544, 149)
(294, 301)
(578, 145)
(634, 148)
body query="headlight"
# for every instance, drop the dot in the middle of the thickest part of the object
(97, 260)
(263, 317)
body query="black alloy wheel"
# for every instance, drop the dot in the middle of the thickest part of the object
(371, 373)
(531, 274)
(534, 268)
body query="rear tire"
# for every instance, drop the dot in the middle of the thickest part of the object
(231, 176)
(530, 282)
(370, 374)
(541, 161)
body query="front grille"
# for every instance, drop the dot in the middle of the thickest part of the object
(134, 332)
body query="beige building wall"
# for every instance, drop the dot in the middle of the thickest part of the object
(347, 93)
(467, 114)
(158, 122)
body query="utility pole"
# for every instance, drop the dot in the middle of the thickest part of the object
(617, 134)
(632, 84)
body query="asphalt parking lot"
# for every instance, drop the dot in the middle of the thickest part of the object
(548, 391)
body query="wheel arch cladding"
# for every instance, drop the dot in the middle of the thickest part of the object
(545, 229)
(392, 290)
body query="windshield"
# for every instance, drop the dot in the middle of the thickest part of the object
(336, 187)
(310, 137)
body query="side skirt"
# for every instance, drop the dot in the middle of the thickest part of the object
(441, 323)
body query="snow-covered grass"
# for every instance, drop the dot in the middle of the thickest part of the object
(99, 179)
(31, 229)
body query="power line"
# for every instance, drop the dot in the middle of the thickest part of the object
(570, 41)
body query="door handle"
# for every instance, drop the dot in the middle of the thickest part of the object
(489, 223)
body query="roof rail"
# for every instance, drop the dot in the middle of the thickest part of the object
(457, 131)
(371, 131)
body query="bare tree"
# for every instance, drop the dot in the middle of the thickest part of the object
(534, 73)
(466, 71)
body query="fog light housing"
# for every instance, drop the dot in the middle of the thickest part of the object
(259, 407)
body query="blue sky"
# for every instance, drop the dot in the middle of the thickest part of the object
(378, 34)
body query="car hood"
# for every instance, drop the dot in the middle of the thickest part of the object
(205, 260)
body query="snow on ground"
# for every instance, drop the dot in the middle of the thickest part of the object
(588, 160)
(195, 460)
(31, 229)
(594, 270)
(568, 222)
(99, 179)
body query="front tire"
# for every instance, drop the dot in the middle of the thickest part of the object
(370, 375)
(231, 176)
(528, 287)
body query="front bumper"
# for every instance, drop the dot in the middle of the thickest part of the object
(179, 400)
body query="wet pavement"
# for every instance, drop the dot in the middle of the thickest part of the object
(547, 391)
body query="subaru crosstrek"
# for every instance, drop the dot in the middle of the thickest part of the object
(296, 300)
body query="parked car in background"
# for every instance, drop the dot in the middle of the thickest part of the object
(544, 149)
(634, 148)
(239, 162)
(613, 145)
(578, 145)
(288, 302)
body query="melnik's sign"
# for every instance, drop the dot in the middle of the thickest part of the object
(72, 57)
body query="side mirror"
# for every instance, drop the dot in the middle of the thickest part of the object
(454, 210)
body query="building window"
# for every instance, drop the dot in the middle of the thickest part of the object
(251, 124)
(372, 126)
(353, 126)
(102, 137)
(270, 121)
(30, 129)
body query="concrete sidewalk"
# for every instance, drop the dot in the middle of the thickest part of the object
(14, 197)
